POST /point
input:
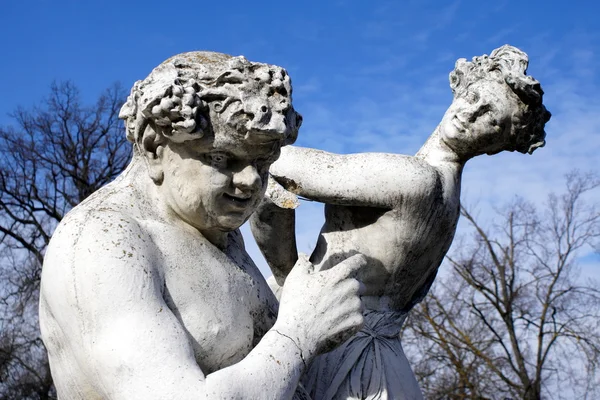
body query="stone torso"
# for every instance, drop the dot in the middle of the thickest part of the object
(219, 297)
(404, 245)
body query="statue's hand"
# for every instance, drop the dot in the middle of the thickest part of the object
(320, 310)
(279, 196)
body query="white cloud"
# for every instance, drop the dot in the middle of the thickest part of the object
(311, 86)
(447, 15)
(501, 37)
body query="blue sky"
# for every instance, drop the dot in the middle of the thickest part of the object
(368, 75)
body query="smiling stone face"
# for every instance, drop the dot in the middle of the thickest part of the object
(215, 187)
(209, 126)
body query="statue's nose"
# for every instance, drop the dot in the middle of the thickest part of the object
(247, 179)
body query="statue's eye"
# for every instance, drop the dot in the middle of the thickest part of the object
(217, 159)
(471, 97)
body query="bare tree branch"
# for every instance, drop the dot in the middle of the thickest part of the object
(514, 307)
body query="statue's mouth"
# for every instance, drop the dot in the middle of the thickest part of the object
(241, 201)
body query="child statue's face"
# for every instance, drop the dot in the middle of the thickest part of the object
(480, 119)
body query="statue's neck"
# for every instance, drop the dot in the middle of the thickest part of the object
(436, 152)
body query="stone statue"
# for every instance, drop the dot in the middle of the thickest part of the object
(401, 213)
(147, 291)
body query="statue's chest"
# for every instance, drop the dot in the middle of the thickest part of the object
(402, 246)
(366, 230)
(224, 307)
(394, 237)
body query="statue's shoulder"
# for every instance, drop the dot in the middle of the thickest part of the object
(409, 179)
(100, 212)
(97, 244)
(106, 222)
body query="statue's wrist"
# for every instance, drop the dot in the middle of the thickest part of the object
(302, 343)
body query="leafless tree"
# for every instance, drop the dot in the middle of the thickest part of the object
(53, 157)
(513, 318)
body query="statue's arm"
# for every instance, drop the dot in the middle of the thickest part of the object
(273, 226)
(362, 179)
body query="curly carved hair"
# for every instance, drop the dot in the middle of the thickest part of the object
(508, 64)
(176, 97)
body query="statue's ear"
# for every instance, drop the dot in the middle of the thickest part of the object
(153, 147)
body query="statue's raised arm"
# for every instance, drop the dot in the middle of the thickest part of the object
(401, 212)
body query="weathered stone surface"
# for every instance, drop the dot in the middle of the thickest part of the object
(401, 213)
(147, 291)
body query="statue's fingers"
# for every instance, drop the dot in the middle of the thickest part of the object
(303, 265)
(348, 268)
